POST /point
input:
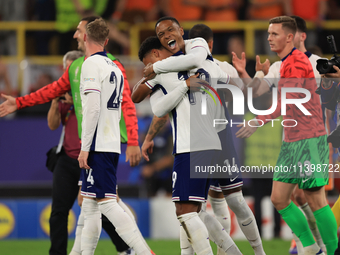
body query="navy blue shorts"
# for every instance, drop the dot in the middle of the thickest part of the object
(185, 188)
(100, 181)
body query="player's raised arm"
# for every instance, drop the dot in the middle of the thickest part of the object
(162, 104)
(263, 70)
(150, 51)
(140, 91)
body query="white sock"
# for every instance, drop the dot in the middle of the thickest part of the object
(299, 245)
(221, 211)
(74, 253)
(76, 249)
(311, 249)
(92, 227)
(220, 251)
(312, 225)
(197, 233)
(128, 211)
(246, 220)
(186, 248)
(124, 225)
(204, 206)
(217, 234)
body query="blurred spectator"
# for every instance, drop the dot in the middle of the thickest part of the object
(243, 10)
(264, 10)
(119, 42)
(157, 172)
(333, 9)
(41, 109)
(221, 10)
(309, 10)
(236, 44)
(68, 14)
(65, 173)
(67, 18)
(136, 11)
(11, 10)
(316, 50)
(44, 10)
(4, 77)
(333, 13)
(183, 10)
(42, 81)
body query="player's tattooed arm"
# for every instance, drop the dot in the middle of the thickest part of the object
(156, 125)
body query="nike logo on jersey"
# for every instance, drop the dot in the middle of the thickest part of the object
(244, 225)
(233, 179)
(303, 181)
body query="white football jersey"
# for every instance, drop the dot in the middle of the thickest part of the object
(273, 76)
(196, 42)
(100, 75)
(178, 62)
(192, 130)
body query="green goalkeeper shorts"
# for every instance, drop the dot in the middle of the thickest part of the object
(304, 162)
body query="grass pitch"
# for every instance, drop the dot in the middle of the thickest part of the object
(105, 247)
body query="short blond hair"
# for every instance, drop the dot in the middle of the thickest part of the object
(97, 31)
(287, 22)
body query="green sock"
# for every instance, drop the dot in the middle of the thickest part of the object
(327, 226)
(298, 224)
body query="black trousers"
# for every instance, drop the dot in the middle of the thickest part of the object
(337, 251)
(64, 193)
